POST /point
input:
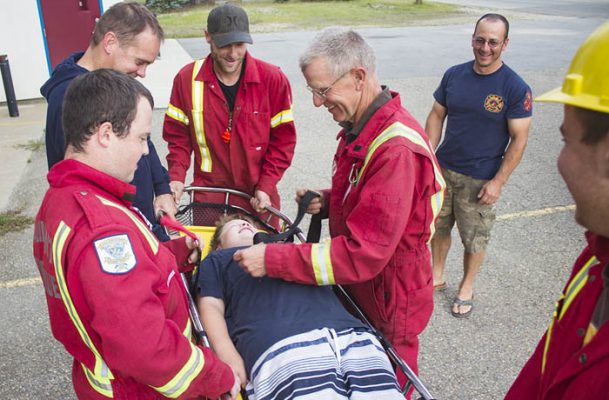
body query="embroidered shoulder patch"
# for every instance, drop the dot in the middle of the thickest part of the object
(115, 254)
(527, 102)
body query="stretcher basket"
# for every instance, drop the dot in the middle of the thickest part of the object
(187, 214)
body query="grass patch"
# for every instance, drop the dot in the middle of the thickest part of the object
(268, 16)
(14, 221)
(31, 145)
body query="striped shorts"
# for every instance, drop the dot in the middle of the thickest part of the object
(324, 364)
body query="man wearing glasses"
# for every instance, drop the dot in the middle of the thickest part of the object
(235, 113)
(489, 113)
(386, 191)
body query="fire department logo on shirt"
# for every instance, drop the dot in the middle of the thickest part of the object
(527, 102)
(115, 254)
(493, 103)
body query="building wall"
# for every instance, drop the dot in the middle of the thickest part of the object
(22, 40)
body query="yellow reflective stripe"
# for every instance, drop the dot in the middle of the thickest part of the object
(590, 333)
(322, 263)
(177, 114)
(399, 129)
(101, 373)
(197, 117)
(282, 117)
(152, 241)
(575, 286)
(182, 380)
(100, 385)
(188, 330)
(438, 198)
(546, 345)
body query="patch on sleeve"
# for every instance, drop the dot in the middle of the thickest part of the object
(115, 254)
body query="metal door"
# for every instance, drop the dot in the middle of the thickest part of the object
(67, 26)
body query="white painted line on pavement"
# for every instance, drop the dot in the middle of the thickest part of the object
(40, 122)
(20, 282)
(504, 217)
(536, 213)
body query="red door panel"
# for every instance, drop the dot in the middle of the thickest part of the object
(68, 26)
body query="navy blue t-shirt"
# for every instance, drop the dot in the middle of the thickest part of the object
(260, 312)
(478, 107)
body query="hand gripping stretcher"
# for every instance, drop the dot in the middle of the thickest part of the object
(194, 211)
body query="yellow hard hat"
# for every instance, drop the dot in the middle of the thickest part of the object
(587, 82)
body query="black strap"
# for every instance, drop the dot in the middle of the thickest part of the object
(288, 234)
(314, 233)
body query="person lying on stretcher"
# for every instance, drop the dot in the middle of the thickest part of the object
(285, 340)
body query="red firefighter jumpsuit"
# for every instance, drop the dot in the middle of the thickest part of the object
(562, 366)
(262, 132)
(114, 294)
(386, 191)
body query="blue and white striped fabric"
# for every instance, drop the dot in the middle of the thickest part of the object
(324, 364)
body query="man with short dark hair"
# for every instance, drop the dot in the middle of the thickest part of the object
(488, 111)
(127, 39)
(235, 113)
(572, 358)
(114, 294)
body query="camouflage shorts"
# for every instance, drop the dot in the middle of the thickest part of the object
(474, 220)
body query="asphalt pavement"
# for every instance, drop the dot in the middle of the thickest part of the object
(534, 243)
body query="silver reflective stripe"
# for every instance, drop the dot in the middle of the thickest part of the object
(102, 387)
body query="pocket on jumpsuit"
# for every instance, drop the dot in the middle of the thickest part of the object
(416, 293)
(257, 139)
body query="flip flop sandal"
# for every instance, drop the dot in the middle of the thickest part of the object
(440, 287)
(458, 302)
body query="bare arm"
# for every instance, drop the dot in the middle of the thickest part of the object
(519, 134)
(211, 310)
(434, 123)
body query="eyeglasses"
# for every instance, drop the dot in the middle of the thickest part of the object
(492, 43)
(323, 92)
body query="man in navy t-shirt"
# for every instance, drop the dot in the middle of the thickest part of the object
(287, 340)
(488, 111)
(127, 39)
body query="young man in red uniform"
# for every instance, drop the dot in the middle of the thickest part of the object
(572, 359)
(113, 291)
(386, 192)
(235, 113)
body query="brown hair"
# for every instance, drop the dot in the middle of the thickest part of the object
(126, 20)
(215, 239)
(103, 95)
(494, 17)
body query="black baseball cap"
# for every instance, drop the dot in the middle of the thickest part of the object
(228, 24)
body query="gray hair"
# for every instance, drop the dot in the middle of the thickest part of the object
(342, 48)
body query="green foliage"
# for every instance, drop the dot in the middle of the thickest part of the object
(162, 6)
(13, 221)
(294, 15)
(31, 145)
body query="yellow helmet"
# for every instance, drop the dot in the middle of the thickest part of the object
(587, 82)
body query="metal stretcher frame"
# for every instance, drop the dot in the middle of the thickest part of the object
(412, 378)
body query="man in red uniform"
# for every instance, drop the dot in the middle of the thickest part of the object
(386, 192)
(113, 291)
(235, 113)
(572, 359)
